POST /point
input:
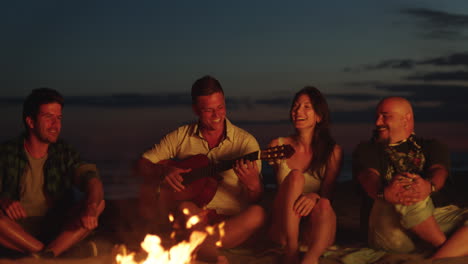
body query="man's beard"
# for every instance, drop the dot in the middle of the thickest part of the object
(376, 137)
(47, 139)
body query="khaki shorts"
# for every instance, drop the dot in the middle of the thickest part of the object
(387, 233)
(413, 215)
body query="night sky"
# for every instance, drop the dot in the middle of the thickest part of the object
(142, 56)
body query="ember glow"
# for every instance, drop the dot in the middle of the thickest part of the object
(178, 254)
(181, 253)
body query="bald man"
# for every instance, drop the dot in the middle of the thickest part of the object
(399, 171)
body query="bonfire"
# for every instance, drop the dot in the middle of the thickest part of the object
(181, 253)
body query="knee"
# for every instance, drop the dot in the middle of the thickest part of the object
(257, 216)
(295, 178)
(324, 204)
(323, 209)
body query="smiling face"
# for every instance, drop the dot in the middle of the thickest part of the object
(46, 126)
(303, 114)
(394, 120)
(211, 110)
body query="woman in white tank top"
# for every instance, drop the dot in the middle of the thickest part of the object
(306, 181)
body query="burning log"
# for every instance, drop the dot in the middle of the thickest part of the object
(182, 252)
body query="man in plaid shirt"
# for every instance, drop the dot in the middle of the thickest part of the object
(37, 174)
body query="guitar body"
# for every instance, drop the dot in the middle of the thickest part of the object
(200, 191)
(201, 183)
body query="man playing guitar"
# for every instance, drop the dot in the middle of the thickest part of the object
(218, 139)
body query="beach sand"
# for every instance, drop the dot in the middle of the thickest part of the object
(119, 225)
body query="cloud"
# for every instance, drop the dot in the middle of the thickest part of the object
(440, 76)
(424, 92)
(451, 60)
(455, 59)
(439, 24)
(399, 64)
(395, 64)
(435, 102)
(432, 103)
(446, 94)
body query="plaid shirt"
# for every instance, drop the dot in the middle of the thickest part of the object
(63, 164)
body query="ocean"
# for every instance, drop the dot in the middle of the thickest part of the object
(114, 139)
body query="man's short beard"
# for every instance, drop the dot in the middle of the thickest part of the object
(385, 141)
(376, 137)
(46, 140)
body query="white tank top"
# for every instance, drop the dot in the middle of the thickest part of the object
(313, 180)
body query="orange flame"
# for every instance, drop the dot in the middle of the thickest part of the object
(180, 253)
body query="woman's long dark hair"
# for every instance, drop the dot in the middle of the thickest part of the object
(322, 141)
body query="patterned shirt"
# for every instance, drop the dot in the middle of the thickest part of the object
(374, 155)
(62, 169)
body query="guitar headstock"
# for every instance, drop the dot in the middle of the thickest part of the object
(277, 152)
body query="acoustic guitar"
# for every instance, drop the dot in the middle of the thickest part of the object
(202, 181)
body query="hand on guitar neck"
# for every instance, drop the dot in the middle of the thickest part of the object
(196, 178)
(248, 174)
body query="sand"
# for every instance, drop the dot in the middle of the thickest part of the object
(120, 226)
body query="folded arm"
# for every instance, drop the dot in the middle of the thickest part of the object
(86, 177)
(420, 188)
(94, 204)
(13, 209)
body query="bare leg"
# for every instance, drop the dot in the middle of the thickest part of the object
(13, 236)
(165, 204)
(153, 206)
(321, 228)
(429, 231)
(240, 227)
(455, 246)
(285, 226)
(148, 202)
(73, 233)
(277, 230)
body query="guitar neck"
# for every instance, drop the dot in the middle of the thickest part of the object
(213, 170)
(273, 153)
(225, 165)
